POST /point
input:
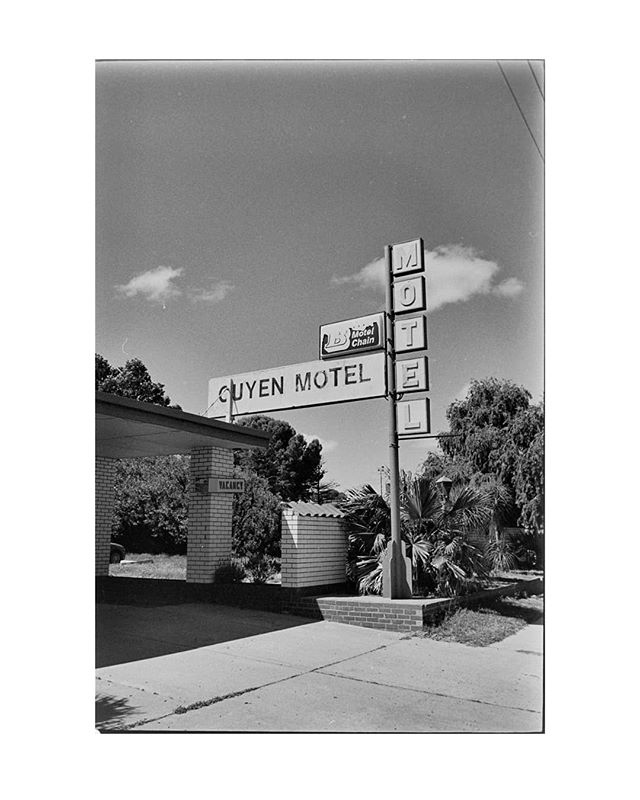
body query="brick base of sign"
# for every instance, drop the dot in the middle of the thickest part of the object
(408, 616)
(367, 612)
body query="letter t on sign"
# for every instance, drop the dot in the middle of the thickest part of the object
(410, 333)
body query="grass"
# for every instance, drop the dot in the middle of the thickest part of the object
(488, 624)
(157, 566)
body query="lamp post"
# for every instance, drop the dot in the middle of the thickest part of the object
(444, 485)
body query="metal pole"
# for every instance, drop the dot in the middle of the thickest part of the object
(230, 409)
(394, 461)
(396, 571)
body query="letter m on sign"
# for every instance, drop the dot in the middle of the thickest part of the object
(407, 257)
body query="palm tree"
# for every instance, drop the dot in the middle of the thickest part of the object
(435, 532)
(369, 525)
(499, 550)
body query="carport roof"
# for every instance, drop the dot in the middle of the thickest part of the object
(130, 429)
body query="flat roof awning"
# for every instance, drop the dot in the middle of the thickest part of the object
(130, 429)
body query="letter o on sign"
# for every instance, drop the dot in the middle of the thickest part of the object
(409, 295)
(323, 379)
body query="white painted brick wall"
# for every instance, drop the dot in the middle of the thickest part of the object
(104, 499)
(314, 550)
(209, 528)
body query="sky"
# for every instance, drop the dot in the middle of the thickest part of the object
(241, 205)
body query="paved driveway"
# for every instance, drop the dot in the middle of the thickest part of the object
(215, 668)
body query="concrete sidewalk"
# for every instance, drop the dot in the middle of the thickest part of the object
(321, 676)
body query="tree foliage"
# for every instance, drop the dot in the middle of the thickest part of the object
(291, 466)
(499, 435)
(132, 380)
(150, 514)
(256, 526)
(444, 561)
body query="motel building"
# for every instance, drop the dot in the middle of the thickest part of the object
(314, 541)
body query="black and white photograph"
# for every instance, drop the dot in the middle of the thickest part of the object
(319, 376)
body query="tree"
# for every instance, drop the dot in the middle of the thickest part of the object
(444, 561)
(291, 466)
(132, 380)
(150, 493)
(499, 433)
(256, 526)
(328, 492)
(150, 513)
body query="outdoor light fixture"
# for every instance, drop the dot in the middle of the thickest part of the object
(444, 485)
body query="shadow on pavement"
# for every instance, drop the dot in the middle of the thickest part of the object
(111, 712)
(132, 633)
(511, 608)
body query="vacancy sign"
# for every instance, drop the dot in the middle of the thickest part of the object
(220, 485)
(414, 417)
(315, 383)
(340, 339)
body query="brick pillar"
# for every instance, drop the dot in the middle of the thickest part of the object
(105, 477)
(209, 532)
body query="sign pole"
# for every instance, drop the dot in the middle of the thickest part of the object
(394, 584)
(230, 409)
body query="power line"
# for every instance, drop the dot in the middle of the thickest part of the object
(524, 119)
(535, 79)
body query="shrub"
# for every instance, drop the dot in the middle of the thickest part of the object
(233, 572)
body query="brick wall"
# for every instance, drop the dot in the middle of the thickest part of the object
(209, 530)
(314, 551)
(104, 497)
(391, 615)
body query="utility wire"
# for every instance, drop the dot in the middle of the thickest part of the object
(524, 119)
(535, 79)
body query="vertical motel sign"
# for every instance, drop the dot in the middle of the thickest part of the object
(406, 302)
(410, 336)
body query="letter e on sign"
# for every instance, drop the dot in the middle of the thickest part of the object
(407, 257)
(412, 375)
(409, 295)
(414, 417)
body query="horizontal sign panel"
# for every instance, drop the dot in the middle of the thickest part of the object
(414, 417)
(409, 295)
(359, 335)
(412, 375)
(410, 333)
(407, 257)
(315, 383)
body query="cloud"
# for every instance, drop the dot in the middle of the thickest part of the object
(327, 444)
(154, 284)
(456, 273)
(509, 288)
(215, 294)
